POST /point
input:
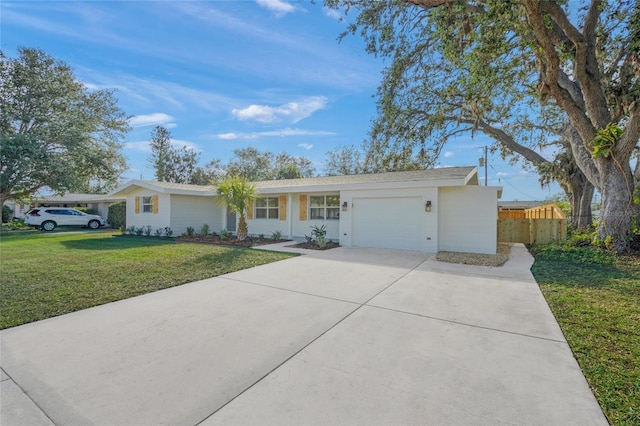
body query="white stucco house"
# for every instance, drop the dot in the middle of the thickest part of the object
(425, 210)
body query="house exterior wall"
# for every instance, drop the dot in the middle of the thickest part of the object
(427, 222)
(301, 228)
(292, 226)
(195, 211)
(468, 219)
(155, 220)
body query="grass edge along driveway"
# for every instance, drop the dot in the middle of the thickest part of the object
(595, 297)
(46, 275)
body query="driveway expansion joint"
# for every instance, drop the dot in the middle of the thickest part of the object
(289, 290)
(469, 325)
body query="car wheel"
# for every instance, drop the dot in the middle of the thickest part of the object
(48, 226)
(94, 224)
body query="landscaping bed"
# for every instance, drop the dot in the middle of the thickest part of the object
(315, 246)
(229, 241)
(477, 259)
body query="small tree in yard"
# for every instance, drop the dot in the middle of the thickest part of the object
(238, 194)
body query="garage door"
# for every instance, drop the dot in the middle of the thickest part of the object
(392, 222)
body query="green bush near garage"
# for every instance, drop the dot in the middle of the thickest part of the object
(117, 216)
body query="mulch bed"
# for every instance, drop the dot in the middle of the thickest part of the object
(231, 241)
(313, 246)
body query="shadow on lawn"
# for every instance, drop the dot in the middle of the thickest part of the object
(116, 243)
(619, 279)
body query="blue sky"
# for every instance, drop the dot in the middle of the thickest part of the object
(222, 75)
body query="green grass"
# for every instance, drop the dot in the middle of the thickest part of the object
(595, 297)
(44, 275)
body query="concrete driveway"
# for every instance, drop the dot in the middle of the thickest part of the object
(347, 336)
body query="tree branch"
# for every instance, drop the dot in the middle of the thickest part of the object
(585, 62)
(551, 72)
(504, 139)
(631, 134)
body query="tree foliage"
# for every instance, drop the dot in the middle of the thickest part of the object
(172, 164)
(345, 160)
(256, 165)
(54, 131)
(517, 71)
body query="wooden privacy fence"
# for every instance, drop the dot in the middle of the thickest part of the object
(540, 225)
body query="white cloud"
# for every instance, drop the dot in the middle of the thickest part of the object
(306, 146)
(503, 174)
(332, 13)
(154, 119)
(448, 154)
(275, 133)
(227, 136)
(292, 111)
(279, 7)
(179, 143)
(138, 146)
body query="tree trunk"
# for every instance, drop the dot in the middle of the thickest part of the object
(615, 215)
(582, 194)
(243, 229)
(584, 218)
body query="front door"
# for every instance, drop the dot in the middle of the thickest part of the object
(231, 220)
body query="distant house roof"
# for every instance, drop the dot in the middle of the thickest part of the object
(75, 198)
(519, 205)
(449, 176)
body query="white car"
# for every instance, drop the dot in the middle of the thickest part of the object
(47, 218)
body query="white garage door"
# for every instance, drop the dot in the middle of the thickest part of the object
(392, 222)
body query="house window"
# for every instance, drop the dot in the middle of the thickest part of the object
(147, 204)
(267, 208)
(324, 207)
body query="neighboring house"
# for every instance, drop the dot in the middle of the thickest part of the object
(426, 210)
(98, 202)
(516, 209)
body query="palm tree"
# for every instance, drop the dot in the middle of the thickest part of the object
(238, 194)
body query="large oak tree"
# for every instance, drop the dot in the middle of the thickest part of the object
(55, 132)
(518, 71)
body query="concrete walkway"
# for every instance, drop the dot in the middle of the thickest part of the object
(346, 336)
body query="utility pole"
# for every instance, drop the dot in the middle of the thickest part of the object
(484, 162)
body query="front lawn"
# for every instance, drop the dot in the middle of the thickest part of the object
(44, 275)
(595, 297)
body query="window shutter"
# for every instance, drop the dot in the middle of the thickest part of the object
(282, 207)
(137, 204)
(155, 204)
(250, 211)
(303, 207)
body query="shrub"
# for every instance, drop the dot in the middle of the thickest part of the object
(204, 231)
(16, 224)
(117, 215)
(139, 231)
(224, 235)
(167, 231)
(147, 231)
(580, 240)
(276, 235)
(190, 231)
(131, 230)
(159, 232)
(321, 235)
(87, 210)
(6, 214)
